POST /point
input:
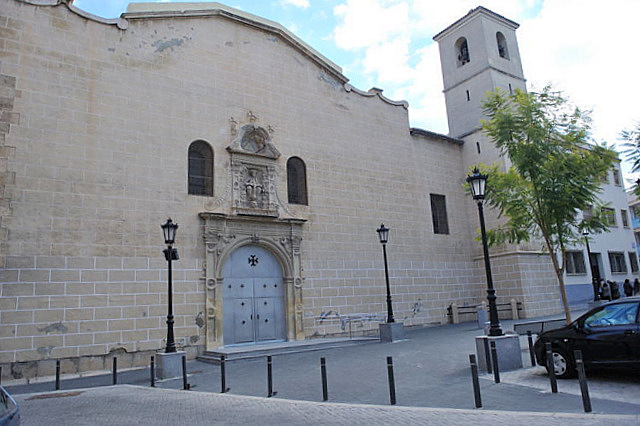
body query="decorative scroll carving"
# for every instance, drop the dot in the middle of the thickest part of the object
(286, 243)
(211, 310)
(233, 124)
(291, 244)
(216, 241)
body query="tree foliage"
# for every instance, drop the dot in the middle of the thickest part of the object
(632, 150)
(555, 173)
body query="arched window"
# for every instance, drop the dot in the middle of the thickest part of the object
(200, 169)
(462, 50)
(297, 181)
(503, 50)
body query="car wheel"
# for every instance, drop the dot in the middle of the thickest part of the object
(562, 365)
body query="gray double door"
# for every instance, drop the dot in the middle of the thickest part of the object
(253, 297)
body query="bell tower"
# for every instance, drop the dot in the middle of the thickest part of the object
(478, 53)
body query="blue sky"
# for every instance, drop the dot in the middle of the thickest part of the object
(585, 48)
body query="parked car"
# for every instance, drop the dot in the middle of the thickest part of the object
(608, 335)
(9, 410)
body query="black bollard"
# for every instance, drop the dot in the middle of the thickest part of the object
(269, 377)
(582, 377)
(487, 355)
(0, 375)
(115, 371)
(550, 368)
(185, 385)
(494, 358)
(475, 381)
(57, 374)
(223, 379)
(392, 383)
(153, 372)
(323, 373)
(531, 353)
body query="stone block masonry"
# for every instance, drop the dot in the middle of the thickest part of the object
(72, 307)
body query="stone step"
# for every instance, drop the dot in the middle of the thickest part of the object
(246, 352)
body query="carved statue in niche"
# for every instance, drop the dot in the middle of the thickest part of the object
(254, 188)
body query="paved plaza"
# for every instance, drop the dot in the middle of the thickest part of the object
(432, 377)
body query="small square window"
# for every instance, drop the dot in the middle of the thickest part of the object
(625, 218)
(575, 263)
(617, 262)
(633, 261)
(609, 216)
(616, 177)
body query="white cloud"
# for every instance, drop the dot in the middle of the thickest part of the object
(587, 49)
(389, 61)
(303, 4)
(367, 22)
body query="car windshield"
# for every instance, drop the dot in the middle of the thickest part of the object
(618, 314)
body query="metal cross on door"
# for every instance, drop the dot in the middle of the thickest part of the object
(253, 297)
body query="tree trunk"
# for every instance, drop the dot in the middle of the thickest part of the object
(563, 293)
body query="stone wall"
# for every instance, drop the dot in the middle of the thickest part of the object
(99, 154)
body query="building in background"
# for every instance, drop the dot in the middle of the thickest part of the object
(613, 253)
(634, 212)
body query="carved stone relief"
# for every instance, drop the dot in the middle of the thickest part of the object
(252, 139)
(253, 170)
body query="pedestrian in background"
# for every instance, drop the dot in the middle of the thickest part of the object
(615, 290)
(606, 291)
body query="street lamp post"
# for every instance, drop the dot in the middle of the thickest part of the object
(383, 234)
(595, 276)
(477, 183)
(169, 230)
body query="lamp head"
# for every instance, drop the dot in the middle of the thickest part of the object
(477, 182)
(383, 234)
(169, 230)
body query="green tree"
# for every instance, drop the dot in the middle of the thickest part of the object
(632, 151)
(555, 174)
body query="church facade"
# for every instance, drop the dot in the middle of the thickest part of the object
(276, 169)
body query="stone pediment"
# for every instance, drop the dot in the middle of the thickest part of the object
(252, 139)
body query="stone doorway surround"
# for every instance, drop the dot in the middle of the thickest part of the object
(282, 237)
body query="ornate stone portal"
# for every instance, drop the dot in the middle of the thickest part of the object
(254, 220)
(225, 233)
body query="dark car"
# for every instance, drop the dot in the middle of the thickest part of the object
(607, 336)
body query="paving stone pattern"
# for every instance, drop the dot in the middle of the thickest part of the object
(432, 378)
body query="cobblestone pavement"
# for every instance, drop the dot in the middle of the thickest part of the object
(432, 379)
(126, 404)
